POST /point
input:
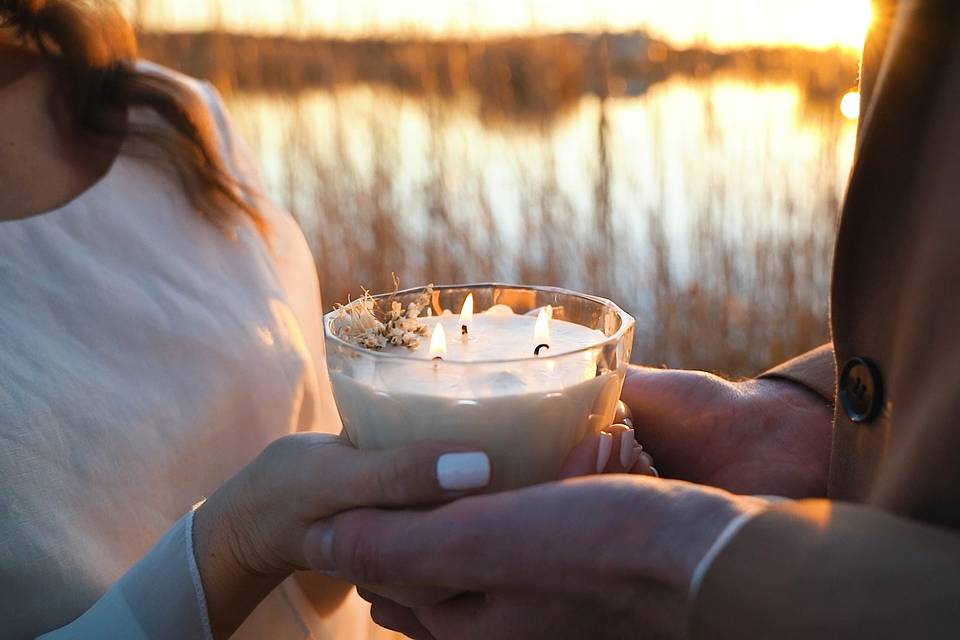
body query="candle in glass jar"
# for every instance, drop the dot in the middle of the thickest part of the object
(485, 390)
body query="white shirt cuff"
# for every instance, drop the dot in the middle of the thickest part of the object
(159, 597)
(195, 574)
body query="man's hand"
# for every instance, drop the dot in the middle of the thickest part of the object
(764, 436)
(598, 557)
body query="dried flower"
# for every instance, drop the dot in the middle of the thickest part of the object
(363, 323)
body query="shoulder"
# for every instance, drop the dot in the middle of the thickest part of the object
(286, 239)
(189, 86)
(196, 94)
(286, 246)
(207, 106)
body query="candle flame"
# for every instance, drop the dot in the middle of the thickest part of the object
(438, 342)
(466, 314)
(541, 331)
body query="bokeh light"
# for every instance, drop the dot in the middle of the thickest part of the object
(850, 105)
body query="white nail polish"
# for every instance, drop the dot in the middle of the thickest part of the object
(627, 442)
(603, 451)
(654, 471)
(463, 471)
(628, 422)
(322, 561)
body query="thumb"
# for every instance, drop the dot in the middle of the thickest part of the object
(447, 548)
(368, 546)
(647, 388)
(415, 475)
(675, 412)
(658, 397)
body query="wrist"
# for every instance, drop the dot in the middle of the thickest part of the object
(696, 518)
(232, 584)
(774, 391)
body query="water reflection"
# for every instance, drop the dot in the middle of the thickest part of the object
(705, 207)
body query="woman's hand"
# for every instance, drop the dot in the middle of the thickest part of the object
(765, 436)
(598, 557)
(613, 450)
(249, 535)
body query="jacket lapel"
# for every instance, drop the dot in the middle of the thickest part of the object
(877, 53)
(912, 40)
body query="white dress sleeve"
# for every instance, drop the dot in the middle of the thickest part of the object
(159, 597)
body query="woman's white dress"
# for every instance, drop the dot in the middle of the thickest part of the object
(145, 357)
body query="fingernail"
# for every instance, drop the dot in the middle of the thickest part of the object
(640, 465)
(627, 442)
(603, 451)
(654, 471)
(321, 560)
(628, 422)
(463, 471)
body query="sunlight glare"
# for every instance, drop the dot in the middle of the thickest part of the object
(810, 23)
(852, 19)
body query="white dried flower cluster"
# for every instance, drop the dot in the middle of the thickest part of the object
(359, 323)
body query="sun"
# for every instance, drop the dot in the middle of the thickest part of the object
(850, 105)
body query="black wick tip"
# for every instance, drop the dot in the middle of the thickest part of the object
(536, 351)
(463, 330)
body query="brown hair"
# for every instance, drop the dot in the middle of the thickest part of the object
(92, 49)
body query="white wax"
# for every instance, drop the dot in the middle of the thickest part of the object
(525, 413)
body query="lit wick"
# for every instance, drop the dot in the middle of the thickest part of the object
(541, 330)
(438, 343)
(466, 316)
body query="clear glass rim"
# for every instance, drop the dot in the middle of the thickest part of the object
(626, 323)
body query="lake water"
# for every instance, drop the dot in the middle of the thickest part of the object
(705, 207)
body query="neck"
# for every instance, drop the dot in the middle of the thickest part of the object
(42, 156)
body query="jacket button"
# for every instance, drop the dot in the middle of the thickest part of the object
(860, 389)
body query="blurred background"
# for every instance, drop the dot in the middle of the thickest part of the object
(686, 158)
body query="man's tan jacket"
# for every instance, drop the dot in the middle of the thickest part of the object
(881, 557)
